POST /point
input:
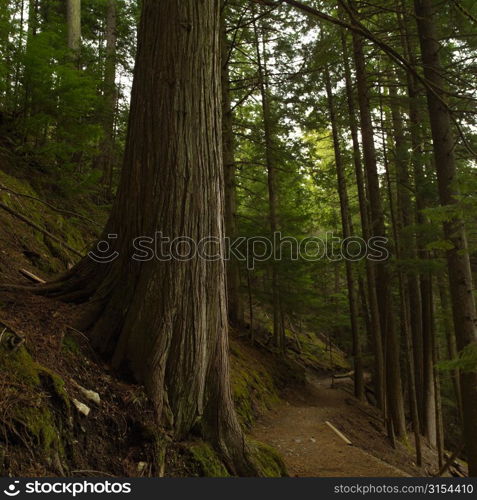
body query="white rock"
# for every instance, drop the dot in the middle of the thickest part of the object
(82, 408)
(91, 395)
(141, 467)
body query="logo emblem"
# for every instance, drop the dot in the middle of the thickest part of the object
(12, 490)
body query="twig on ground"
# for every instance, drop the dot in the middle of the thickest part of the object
(32, 277)
(338, 433)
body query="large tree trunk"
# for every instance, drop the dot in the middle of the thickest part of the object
(460, 275)
(346, 227)
(164, 322)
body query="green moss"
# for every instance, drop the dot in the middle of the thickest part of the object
(253, 387)
(315, 352)
(20, 365)
(33, 416)
(40, 426)
(71, 230)
(70, 233)
(208, 460)
(70, 344)
(267, 459)
(58, 386)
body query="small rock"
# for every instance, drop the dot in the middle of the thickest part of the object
(141, 467)
(82, 408)
(91, 395)
(313, 440)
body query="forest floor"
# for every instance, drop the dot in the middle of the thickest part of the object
(310, 448)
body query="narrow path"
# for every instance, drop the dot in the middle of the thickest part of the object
(310, 448)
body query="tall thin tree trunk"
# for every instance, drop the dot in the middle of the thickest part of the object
(460, 275)
(404, 245)
(278, 329)
(233, 270)
(375, 322)
(416, 287)
(383, 289)
(345, 222)
(73, 20)
(451, 342)
(407, 252)
(110, 96)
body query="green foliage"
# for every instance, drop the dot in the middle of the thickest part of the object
(466, 362)
(52, 99)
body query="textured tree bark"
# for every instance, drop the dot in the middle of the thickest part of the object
(346, 228)
(390, 338)
(164, 321)
(73, 19)
(233, 271)
(375, 322)
(460, 275)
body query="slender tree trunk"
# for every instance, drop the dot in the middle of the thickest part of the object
(404, 245)
(250, 308)
(345, 222)
(110, 96)
(383, 289)
(19, 49)
(375, 322)
(233, 270)
(440, 435)
(163, 320)
(407, 252)
(460, 275)
(451, 343)
(32, 30)
(73, 19)
(278, 330)
(429, 397)
(423, 329)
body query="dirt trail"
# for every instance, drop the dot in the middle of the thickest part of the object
(310, 448)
